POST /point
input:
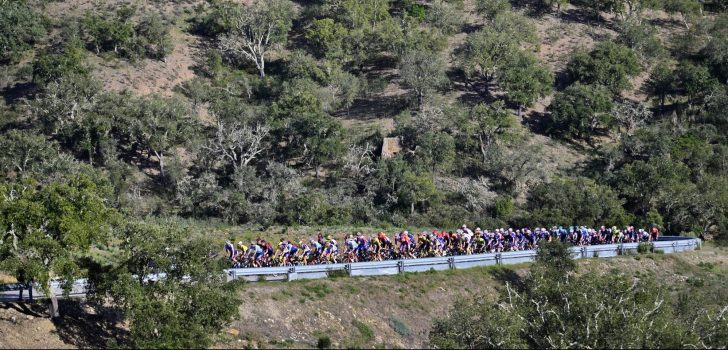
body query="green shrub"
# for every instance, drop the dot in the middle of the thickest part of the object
(503, 207)
(338, 273)
(644, 248)
(320, 290)
(418, 11)
(399, 326)
(695, 282)
(367, 334)
(324, 342)
(708, 266)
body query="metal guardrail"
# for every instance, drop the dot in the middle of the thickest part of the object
(666, 244)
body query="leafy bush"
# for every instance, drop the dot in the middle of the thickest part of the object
(20, 27)
(366, 332)
(119, 34)
(608, 64)
(323, 342)
(399, 326)
(51, 66)
(641, 37)
(580, 111)
(550, 307)
(581, 201)
(644, 248)
(218, 19)
(417, 11)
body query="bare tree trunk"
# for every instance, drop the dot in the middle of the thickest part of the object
(52, 303)
(261, 67)
(160, 156)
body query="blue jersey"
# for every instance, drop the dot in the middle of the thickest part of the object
(230, 249)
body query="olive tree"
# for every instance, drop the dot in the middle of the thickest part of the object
(423, 71)
(489, 124)
(237, 144)
(20, 28)
(161, 124)
(171, 290)
(630, 115)
(609, 64)
(581, 110)
(525, 79)
(256, 28)
(45, 230)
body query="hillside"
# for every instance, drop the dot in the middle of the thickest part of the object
(138, 136)
(473, 128)
(395, 311)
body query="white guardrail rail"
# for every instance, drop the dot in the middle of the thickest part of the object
(666, 244)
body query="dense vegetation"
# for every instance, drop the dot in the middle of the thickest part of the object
(257, 137)
(555, 307)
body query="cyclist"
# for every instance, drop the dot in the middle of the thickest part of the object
(317, 249)
(289, 251)
(384, 240)
(362, 245)
(257, 253)
(376, 248)
(330, 252)
(351, 246)
(230, 250)
(478, 243)
(305, 252)
(654, 233)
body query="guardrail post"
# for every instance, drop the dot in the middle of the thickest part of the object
(347, 268)
(583, 252)
(451, 263)
(30, 292)
(620, 249)
(498, 259)
(400, 266)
